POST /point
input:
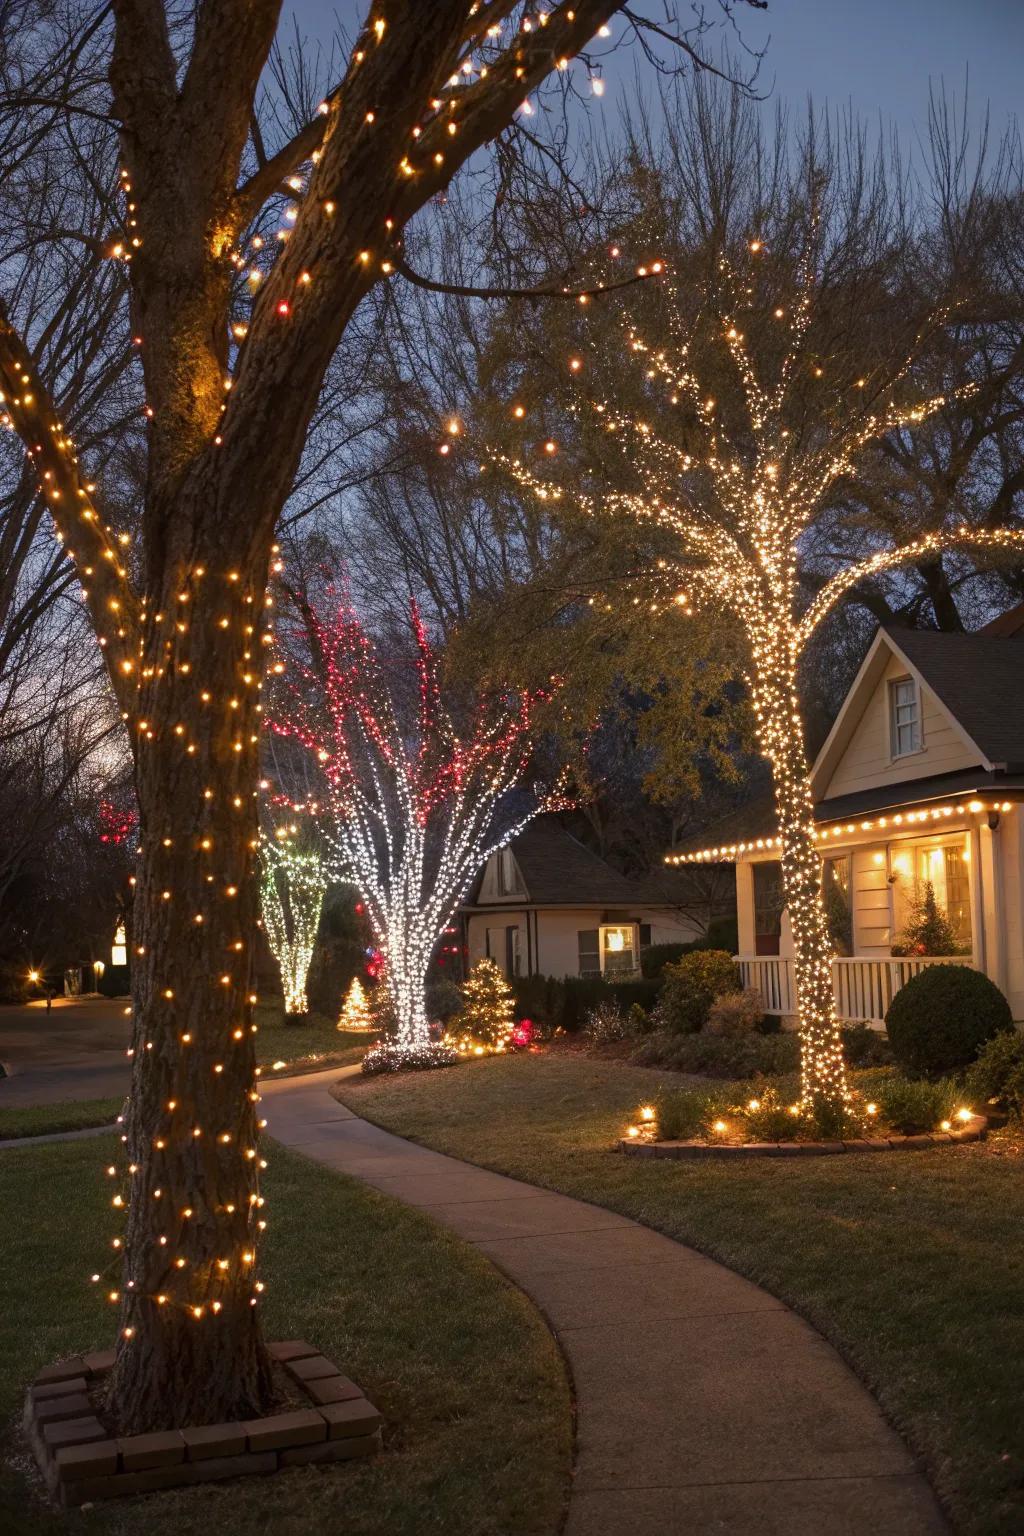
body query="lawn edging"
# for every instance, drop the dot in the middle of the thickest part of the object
(975, 1129)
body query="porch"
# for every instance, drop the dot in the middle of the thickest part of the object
(863, 987)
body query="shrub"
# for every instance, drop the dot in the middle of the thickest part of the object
(997, 1077)
(655, 957)
(940, 1020)
(606, 1024)
(727, 1056)
(564, 1002)
(690, 986)
(771, 1120)
(736, 1013)
(444, 999)
(685, 1116)
(865, 1047)
(913, 1105)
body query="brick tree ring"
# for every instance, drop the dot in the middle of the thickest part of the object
(81, 1462)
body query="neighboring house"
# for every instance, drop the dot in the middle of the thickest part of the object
(921, 780)
(545, 905)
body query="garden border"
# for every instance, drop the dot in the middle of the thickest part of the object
(81, 1462)
(975, 1129)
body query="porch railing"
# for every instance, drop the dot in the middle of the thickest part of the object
(863, 988)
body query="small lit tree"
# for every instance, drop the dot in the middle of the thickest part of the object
(751, 406)
(409, 807)
(292, 892)
(355, 1010)
(487, 1016)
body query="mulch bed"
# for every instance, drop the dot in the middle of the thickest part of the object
(326, 1418)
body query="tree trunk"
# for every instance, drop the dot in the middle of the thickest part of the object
(190, 1349)
(780, 733)
(405, 972)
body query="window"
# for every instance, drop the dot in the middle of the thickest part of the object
(945, 869)
(835, 890)
(589, 941)
(506, 881)
(768, 904)
(618, 949)
(503, 949)
(904, 717)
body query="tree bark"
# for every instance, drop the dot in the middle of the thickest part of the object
(190, 1350)
(780, 734)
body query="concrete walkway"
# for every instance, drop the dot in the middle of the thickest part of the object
(704, 1405)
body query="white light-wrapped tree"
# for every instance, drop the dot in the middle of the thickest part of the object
(292, 889)
(409, 805)
(741, 407)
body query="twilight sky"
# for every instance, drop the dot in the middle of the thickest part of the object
(876, 54)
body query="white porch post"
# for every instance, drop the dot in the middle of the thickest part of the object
(745, 935)
(993, 903)
(979, 951)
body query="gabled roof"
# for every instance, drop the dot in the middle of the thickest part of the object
(979, 679)
(558, 870)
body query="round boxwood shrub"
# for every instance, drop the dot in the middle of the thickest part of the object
(943, 1016)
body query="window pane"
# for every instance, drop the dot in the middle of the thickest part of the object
(618, 955)
(768, 905)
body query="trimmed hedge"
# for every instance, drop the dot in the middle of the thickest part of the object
(564, 1003)
(941, 1019)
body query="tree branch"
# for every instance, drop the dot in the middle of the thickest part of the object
(544, 291)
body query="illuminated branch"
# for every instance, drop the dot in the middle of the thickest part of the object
(96, 550)
(929, 546)
(409, 806)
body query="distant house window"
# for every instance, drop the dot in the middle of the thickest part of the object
(904, 717)
(835, 889)
(503, 949)
(589, 941)
(618, 949)
(506, 875)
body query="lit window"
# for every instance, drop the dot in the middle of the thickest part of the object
(618, 949)
(904, 717)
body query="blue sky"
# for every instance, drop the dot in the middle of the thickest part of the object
(878, 55)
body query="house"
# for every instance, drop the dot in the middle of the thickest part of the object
(546, 905)
(921, 781)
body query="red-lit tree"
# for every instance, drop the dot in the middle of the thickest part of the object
(409, 805)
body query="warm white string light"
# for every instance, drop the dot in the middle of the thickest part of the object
(738, 496)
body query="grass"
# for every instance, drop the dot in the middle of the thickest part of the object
(909, 1263)
(316, 1043)
(303, 1047)
(473, 1390)
(44, 1119)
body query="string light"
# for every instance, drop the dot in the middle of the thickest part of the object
(292, 889)
(408, 814)
(738, 500)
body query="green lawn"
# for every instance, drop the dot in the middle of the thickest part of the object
(302, 1047)
(43, 1119)
(471, 1384)
(912, 1264)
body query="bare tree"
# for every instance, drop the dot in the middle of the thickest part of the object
(183, 629)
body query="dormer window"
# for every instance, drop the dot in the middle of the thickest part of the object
(505, 873)
(904, 717)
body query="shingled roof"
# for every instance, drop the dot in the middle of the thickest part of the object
(560, 871)
(980, 680)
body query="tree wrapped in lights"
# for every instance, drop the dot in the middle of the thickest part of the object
(748, 413)
(487, 1017)
(292, 890)
(356, 1013)
(409, 807)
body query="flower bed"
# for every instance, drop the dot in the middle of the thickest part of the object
(82, 1460)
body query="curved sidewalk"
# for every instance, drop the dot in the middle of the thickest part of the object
(703, 1404)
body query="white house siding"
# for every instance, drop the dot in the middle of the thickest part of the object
(554, 933)
(868, 763)
(872, 905)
